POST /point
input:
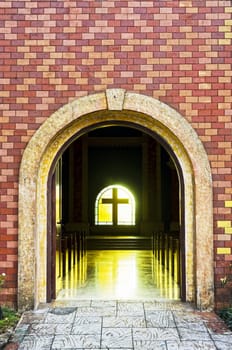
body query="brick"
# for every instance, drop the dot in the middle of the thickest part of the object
(224, 251)
(54, 52)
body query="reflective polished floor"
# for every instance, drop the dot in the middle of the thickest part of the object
(118, 274)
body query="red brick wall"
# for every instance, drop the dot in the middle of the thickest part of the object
(52, 52)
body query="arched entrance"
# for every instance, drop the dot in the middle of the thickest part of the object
(117, 190)
(119, 106)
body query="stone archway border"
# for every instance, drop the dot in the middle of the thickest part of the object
(114, 105)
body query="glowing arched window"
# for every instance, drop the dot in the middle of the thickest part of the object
(115, 205)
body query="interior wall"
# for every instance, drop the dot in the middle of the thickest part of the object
(108, 166)
(146, 169)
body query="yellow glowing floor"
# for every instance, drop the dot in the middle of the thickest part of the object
(117, 274)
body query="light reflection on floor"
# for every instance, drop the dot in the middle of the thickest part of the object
(117, 274)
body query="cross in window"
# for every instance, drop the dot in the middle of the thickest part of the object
(115, 201)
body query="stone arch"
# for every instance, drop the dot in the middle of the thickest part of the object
(115, 105)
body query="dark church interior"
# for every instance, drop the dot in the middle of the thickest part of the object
(116, 194)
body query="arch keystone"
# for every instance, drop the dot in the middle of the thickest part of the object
(115, 99)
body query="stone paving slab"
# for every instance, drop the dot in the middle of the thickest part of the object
(191, 345)
(114, 325)
(124, 321)
(160, 319)
(76, 342)
(116, 337)
(87, 325)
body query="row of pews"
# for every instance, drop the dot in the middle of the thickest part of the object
(166, 249)
(70, 249)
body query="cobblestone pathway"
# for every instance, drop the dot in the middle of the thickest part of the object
(128, 325)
